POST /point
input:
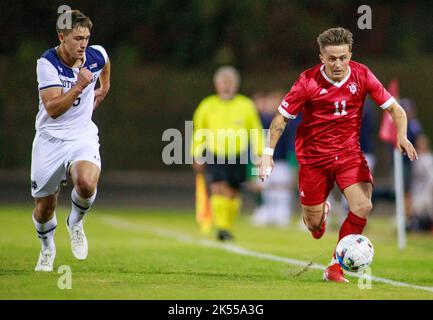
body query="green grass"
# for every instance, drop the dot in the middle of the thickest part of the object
(134, 261)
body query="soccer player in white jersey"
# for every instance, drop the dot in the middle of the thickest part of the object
(66, 140)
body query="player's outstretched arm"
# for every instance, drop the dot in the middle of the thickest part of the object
(403, 144)
(104, 81)
(276, 129)
(57, 103)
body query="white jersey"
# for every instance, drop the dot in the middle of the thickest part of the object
(52, 72)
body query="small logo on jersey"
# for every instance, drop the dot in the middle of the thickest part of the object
(94, 65)
(323, 91)
(34, 185)
(302, 194)
(353, 88)
(60, 69)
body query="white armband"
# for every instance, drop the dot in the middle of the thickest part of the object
(268, 151)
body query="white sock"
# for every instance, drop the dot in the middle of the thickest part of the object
(46, 232)
(80, 206)
(333, 261)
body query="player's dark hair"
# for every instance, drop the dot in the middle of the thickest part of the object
(69, 20)
(335, 37)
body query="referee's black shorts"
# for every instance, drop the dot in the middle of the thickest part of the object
(232, 173)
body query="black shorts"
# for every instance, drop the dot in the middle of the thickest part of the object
(234, 174)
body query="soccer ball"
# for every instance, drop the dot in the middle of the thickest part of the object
(354, 252)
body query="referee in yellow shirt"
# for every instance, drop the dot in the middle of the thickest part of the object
(226, 127)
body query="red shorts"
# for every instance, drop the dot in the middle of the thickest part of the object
(316, 182)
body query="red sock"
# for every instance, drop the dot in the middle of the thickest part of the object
(352, 225)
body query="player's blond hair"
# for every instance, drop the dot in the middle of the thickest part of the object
(335, 37)
(78, 19)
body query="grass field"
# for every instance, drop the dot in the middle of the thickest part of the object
(139, 254)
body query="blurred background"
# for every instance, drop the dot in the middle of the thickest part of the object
(163, 56)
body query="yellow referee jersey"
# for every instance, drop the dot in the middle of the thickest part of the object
(226, 127)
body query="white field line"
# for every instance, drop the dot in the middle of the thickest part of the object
(122, 224)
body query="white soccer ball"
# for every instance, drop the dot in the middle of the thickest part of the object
(354, 252)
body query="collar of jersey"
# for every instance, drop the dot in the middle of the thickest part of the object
(66, 66)
(337, 84)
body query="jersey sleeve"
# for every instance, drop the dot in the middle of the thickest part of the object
(294, 101)
(47, 75)
(102, 51)
(378, 92)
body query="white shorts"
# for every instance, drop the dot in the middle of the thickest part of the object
(52, 157)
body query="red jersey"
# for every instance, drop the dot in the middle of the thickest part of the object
(331, 111)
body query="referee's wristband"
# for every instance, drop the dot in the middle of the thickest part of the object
(268, 151)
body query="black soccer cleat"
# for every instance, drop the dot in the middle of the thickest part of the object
(224, 235)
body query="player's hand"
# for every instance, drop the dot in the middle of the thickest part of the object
(84, 77)
(406, 147)
(99, 97)
(266, 166)
(198, 168)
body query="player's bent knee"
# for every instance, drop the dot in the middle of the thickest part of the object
(85, 187)
(363, 208)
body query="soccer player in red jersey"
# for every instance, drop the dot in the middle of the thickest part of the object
(330, 97)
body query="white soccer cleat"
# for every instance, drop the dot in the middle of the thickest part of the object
(78, 241)
(46, 260)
